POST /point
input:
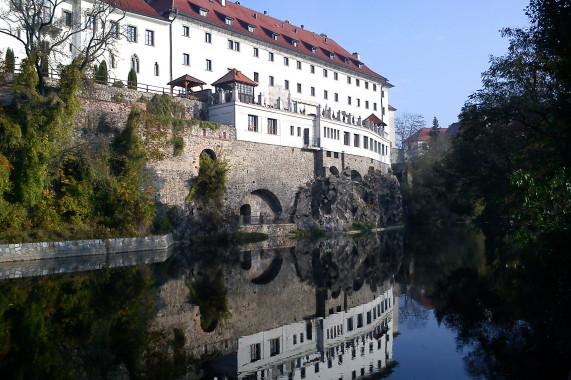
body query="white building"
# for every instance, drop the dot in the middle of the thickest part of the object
(310, 93)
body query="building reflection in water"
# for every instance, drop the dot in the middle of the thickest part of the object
(350, 337)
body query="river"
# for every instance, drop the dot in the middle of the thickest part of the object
(423, 304)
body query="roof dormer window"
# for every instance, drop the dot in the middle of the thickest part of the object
(332, 55)
(295, 43)
(360, 65)
(229, 21)
(347, 60)
(314, 50)
(203, 12)
(275, 36)
(251, 29)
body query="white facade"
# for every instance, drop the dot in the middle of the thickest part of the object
(307, 88)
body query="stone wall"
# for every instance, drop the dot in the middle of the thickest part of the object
(358, 163)
(269, 229)
(74, 248)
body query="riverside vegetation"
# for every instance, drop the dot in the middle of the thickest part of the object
(55, 188)
(508, 171)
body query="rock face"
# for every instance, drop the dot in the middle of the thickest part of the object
(338, 201)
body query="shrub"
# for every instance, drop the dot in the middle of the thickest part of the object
(132, 79)
(9, 61)
(101, 75)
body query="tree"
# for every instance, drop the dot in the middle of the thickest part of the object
(406, 125)
(435, 131)
(9, 61)
(132, 79)
(102, 75)
(45, 31)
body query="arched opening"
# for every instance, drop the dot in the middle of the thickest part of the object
(356, 176)
(210, 152)
(262, 206)
(245, 214)
(135, 62)
(334, 170)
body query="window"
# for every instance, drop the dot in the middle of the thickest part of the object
(294, 43)
(325, 95)
(347, 141)
(357, 143)
(286, 61)
(359, 320)
(208, 65)
(366, 85)
(251, 29)
(185, 31)
(358, 82)
(156, 69)
(312, 91)
(298, 65)
(275, 36)
(374, 106)
(332, 55)
(272, 127)
(207, 38)
(286, 84)
(314, 50)
(253, 123)
(229, 21)
(256, 52)
(270, 56)
(325, 73)
(255, 352)
(185, 59)
(299, 87)
(369, 316)
(348, 79)
(67, 18)
(271, 80)
(301, 338)
(312, 69)
(382, 93)
(294, 335)
(349, 320)
(274, 346)
(256, 77)
(358, 102)
(90, 22)
(114, 29)
(349, 100)
(233, 45)
(336, 97)
(374, 87)
(383, 111)
(336, 76)
(298, 131)
(131, 33)
(366, 104)
(203, 12)
(135, 62)
(149, 37)
(365, 142)
(292, 132)
(112, 59)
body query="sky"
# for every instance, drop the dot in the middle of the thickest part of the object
(432, 51)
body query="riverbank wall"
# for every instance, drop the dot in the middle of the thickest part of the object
(77, 248)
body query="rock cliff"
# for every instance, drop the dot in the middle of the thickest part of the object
(340, 200)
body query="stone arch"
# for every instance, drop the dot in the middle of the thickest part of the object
(263, 205)
(333, 170)
(210, 152)
(264, 267)
(356, 176)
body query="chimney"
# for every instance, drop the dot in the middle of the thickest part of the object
(222, 2)
(266, 13)
(302, 27)
(357, 55)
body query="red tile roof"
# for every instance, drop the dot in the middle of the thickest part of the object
(266, 28)
(136, 6)
(422, 135)
(374, 119)
(234, 76)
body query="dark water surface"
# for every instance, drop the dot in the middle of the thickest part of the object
(427, 304)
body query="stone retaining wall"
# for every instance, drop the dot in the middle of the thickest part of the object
(75, 248)
(269, 229)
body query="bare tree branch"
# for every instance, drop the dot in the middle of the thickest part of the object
(406, 125)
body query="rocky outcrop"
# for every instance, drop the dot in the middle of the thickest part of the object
(339, 201)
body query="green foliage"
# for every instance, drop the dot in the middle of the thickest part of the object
(118, 84)
(210, 294)
(210, 184)
(362, 226)
(178, 145)
(132, 79)
(101, 75)
(9, 61)
(51, 191)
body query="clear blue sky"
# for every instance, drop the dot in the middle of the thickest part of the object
(432, 51)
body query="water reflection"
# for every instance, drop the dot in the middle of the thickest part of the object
(305, 309)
